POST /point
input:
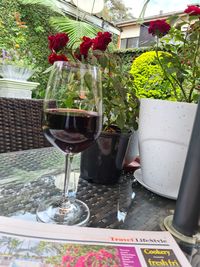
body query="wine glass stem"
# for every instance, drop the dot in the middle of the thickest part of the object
(68, 162)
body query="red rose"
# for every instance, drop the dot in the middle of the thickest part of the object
(101, 41)
(54, 57)
(159, 27)
(85, 46)
(58, 41)
(82, 51)
(193, 10)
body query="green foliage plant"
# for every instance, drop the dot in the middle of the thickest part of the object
(15, 52)
(34, 36)
(148, 77)
(50, 4)
(75, 28)
(119, 97)
(180, 35)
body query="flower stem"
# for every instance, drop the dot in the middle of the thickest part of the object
(196, 53)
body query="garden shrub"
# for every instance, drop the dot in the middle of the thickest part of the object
(148, 77)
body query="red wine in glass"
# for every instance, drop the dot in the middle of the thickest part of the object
(71, 130)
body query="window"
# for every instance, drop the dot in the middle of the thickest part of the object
(129, 42)
(123, 43)
(132, 42)
(145, 39)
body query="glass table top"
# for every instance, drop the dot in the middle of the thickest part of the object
(28, 177)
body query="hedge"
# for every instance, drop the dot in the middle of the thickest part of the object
(128, 55)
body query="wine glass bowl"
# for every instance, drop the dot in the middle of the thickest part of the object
(71, 130)
(72, 121)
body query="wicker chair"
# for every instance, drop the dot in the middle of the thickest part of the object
(20, 124)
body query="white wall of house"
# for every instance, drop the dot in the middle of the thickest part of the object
(130, 36)
(130, 31)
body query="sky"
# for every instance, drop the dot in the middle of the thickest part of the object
(155, 6)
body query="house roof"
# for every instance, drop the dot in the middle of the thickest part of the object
(148, 19)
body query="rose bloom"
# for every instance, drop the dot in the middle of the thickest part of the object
(58, 41)
(101, 41)
(85, 46)
(159, 27)
(193, 10)
(54, 57)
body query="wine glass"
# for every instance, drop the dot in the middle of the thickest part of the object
(72, 121)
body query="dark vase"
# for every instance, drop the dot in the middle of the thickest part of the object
(102, 163)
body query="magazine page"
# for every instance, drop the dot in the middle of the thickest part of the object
(24, 243)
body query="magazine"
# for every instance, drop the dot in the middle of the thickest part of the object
(24, 244)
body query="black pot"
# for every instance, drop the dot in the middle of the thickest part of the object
(102, 163)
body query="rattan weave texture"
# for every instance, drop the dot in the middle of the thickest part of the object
(20, 125)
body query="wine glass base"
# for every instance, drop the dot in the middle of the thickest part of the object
(55, 211)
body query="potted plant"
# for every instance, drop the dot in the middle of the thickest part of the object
(17, 64)
(165, 126)
(103, 162)
(15, 70)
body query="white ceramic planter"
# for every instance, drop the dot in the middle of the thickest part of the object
(15, 72)
(164, 133)
(16, 89)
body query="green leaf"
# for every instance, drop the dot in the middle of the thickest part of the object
(75, 29)
(121, 120)
(103, 61)
(196, 97)
(39, 29)
(67, 102)
(173, 19)
(192, 18)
